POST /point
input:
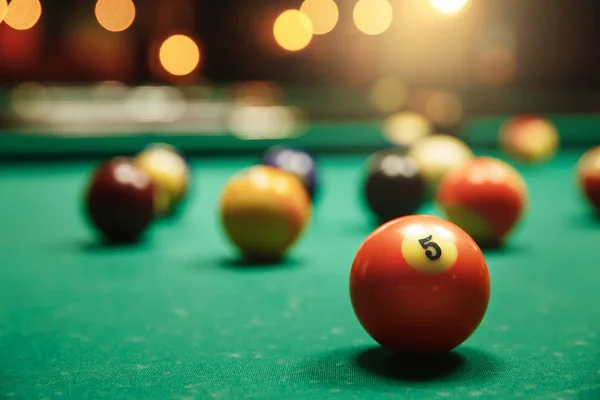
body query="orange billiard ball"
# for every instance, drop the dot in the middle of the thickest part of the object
(419, 284)
(486, 197)
(529, 139)
(588, 177)
(264, 210)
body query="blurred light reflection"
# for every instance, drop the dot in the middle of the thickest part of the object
(115, 15)
(256, 123)
(23, 14)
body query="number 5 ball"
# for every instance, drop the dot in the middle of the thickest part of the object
(419, 284)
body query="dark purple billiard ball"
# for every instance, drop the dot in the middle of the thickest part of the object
(298, 162)
(119, 200)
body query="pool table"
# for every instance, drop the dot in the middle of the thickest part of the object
(178, 316)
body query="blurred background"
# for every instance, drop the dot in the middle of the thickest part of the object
(261, 69)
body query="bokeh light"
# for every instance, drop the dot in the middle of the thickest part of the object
(108, 91)
(444, 109)
(155, 103)
(293, 30)
(373, 17)
(388, 94)
(449, 6)
(3, 9)
(499, 35)
(495, 65)
(258, 93)
(115, 15)
(179, 55)
(259, 123)
(23, 14)
(405, 128)
(495, 54)
(323, 14)
(30, 100)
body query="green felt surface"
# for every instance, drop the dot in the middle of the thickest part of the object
(179, 318)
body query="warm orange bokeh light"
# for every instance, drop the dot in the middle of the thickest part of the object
(3, 9)
(405, 128)
(115, 15)
(23, 14)
(179, 55)
(388, 94)
(293, 30)
(449, 6)
(496, 65)
(323, 14)
(443, 109)
(373, 17)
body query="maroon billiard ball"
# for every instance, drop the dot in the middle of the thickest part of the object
(120, 200)
(588, 177)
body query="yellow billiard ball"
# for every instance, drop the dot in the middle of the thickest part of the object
(264, 211)
(529, 139)
(439, 154)
(170, 174)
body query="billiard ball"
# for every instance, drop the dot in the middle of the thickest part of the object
(588, 177)
(529, 139)
(119, 200)
(393, 185)
(264, 210)
(298, 162)
(169, 172)
(437, 155)
(486, 197)
(419, 284)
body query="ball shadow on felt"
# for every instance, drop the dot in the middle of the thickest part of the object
(590, 219)
(101, 244)
(509, 246)
(460, 364)
(253, 262)
(410, 367)
(365, 367)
